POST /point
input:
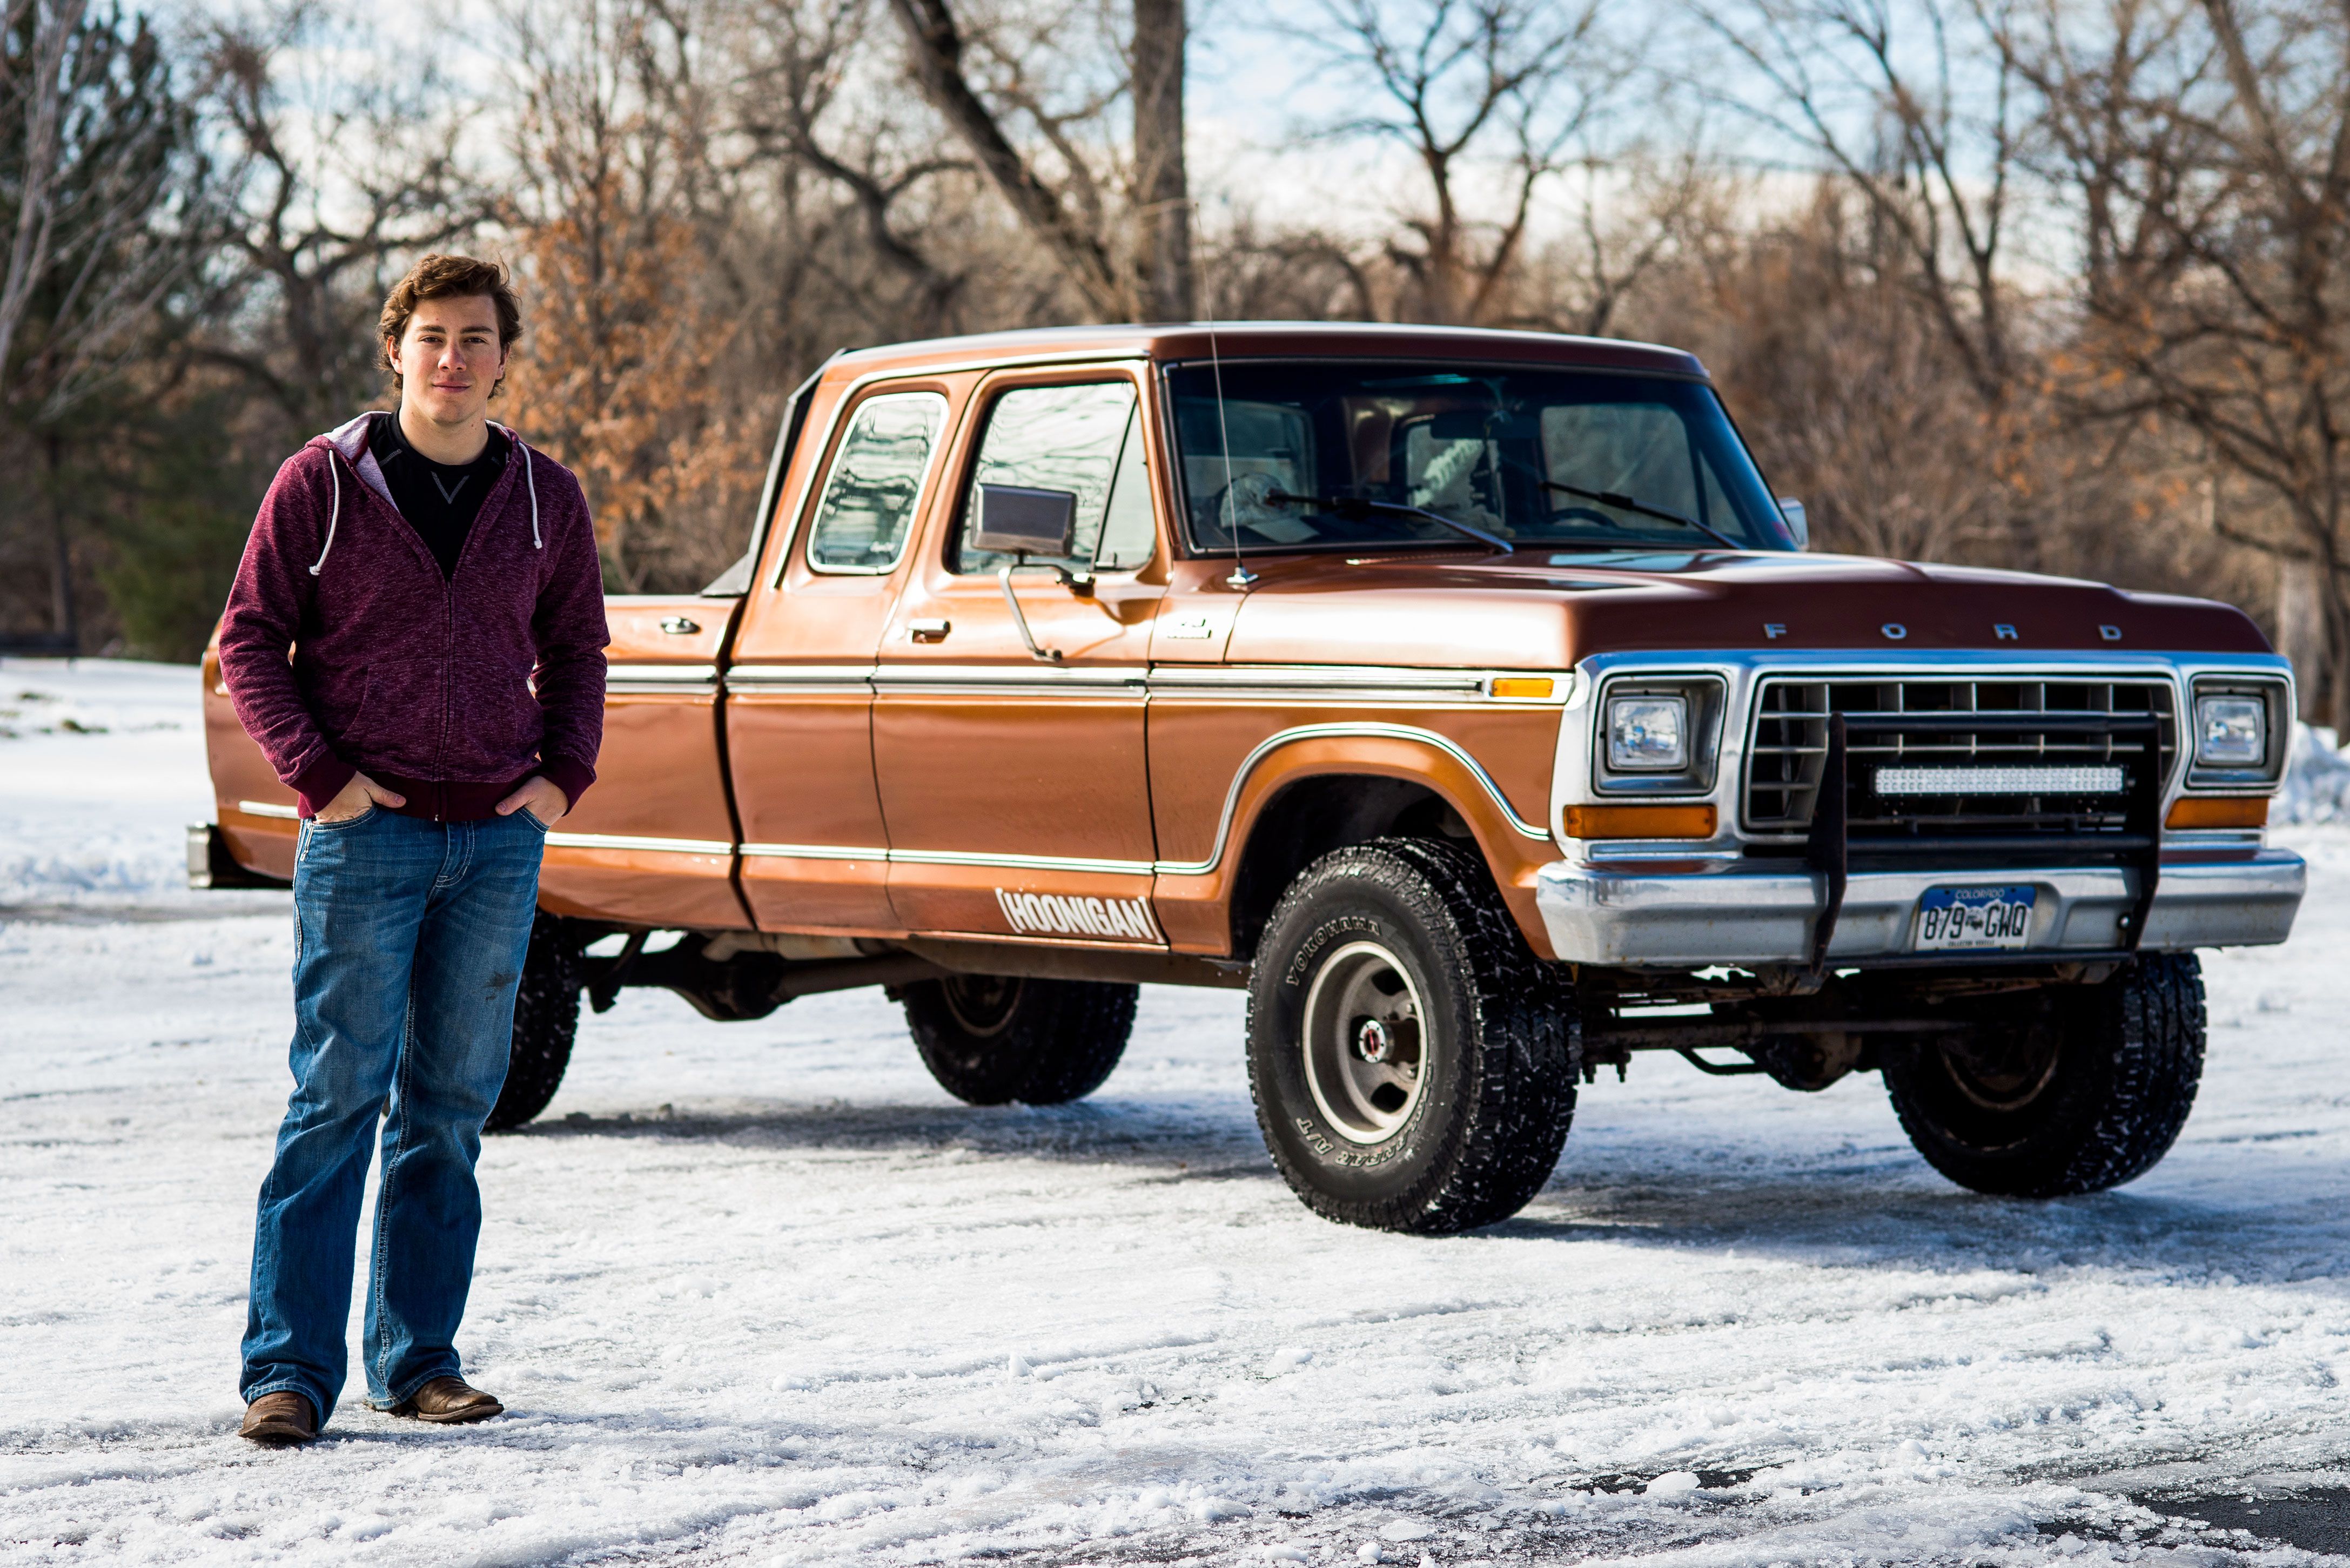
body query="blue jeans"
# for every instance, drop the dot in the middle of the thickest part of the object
(409, 943)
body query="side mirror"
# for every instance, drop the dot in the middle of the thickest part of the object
(1793, 511)
(1014, 520)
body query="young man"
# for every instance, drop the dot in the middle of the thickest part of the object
(435, 584)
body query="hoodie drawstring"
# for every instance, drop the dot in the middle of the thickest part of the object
(335, 514)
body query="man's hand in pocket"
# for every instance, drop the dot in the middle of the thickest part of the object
(360, 795)
(540, 798)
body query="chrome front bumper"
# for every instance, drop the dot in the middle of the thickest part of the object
(1693, 914)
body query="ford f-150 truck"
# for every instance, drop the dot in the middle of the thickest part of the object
(1467, 697)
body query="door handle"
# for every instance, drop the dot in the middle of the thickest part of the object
(931, 631)
(678, 625)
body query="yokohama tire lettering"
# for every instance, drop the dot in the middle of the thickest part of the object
(1055, 914)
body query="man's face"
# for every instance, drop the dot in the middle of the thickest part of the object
(450, 358)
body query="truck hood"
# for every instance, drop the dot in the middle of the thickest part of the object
(1545, 611)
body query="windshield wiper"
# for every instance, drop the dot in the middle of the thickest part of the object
(1625, 503)
(1340, 505)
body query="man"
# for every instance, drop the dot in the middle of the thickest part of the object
(436, 584)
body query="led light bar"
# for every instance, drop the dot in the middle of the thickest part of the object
(1999, 781)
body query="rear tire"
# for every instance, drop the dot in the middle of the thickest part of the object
(2086, 1092)
(989, 1040)
(545, 1022)
(1411, 1061)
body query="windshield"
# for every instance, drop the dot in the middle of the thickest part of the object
(1340, 456)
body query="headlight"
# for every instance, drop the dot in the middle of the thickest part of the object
(2231, 732)
(1648, 733)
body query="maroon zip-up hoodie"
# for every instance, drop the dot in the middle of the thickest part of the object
(423, 682)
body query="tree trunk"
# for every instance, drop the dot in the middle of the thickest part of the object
(937, 43)
(2301, 631)
(1161, 192)
(2336, 669)
(61, 581)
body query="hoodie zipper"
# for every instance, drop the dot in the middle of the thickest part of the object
(448, 685)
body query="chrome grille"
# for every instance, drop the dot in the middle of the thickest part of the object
(1986, 725)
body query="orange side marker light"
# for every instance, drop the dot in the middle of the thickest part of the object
(1640, 821)
(2219, 810)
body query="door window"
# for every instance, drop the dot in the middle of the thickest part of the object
(1086, 439)
(868, 506)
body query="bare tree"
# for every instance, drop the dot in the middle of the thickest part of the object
(35, 86)
(1912, 103)
(1161, 185)
(371, 176)
(1120, 237)
(108, 203)
(113, 200)
(2205, 147)
(1463, 87)
(797, 58)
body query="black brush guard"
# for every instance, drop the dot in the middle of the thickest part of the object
(2137, 846)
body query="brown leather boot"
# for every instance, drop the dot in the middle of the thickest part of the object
(451, 1401)
(279, 1420)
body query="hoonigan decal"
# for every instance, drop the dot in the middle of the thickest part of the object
(1052, 914)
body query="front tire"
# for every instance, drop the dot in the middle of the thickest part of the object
(989, 1040)
(545, 1022)
(2086, 1092)
(1411, 1061)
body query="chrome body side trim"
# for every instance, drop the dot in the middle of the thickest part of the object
(270, 808)
(661, 676)
(1343, 684)
(561, 840)
(814, 852)
(1022, 862)
(1217, 680)
(813, 678)
(1680, 913)
(1082, 679)
(946, 857)
(1334, 684)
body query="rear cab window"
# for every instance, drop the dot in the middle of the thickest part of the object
(866, 509)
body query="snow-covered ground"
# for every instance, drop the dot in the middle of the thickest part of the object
(762, 1292)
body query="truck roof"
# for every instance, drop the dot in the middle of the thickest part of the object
(1249, 340)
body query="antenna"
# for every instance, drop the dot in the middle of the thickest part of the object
(1242, 577)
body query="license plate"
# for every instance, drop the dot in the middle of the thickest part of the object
(1974, 918)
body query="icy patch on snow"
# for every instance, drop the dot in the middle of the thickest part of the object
(2316, 780)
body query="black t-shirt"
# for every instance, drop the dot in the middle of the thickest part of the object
(440, 500)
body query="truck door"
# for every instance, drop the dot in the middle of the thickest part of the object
(653, 841)
(799, 687)
(1014, 780)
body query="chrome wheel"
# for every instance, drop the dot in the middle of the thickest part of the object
(1368, 1051)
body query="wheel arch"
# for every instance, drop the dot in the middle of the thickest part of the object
(1321, 793)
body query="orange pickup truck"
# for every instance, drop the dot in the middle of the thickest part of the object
(1467, 697)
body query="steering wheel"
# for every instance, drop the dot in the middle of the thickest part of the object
(1583, 515)
(1242, 502)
